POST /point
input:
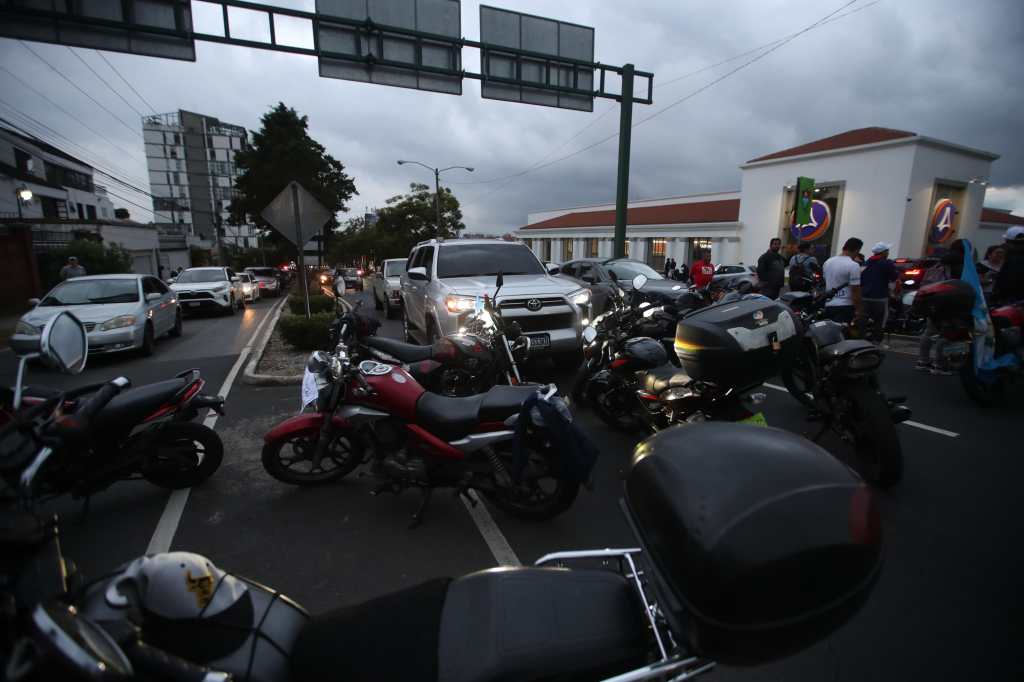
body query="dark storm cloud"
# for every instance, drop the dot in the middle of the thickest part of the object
(942, 68)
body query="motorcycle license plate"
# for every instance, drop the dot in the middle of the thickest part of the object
(755, 419)
(540, 340)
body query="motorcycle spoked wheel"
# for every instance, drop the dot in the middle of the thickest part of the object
(291, 460)
(879, 455)
(184, 454)
(541, 495)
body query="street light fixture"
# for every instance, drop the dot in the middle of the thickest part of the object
(437, 184)
(22, 194)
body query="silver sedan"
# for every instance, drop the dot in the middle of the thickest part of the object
(120, 312)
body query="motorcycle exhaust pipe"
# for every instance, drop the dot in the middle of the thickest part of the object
(215, 403)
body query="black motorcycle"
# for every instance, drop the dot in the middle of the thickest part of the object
(837, 380)
(645, 613)
(630, 383)
(487, 351)
(146, 432)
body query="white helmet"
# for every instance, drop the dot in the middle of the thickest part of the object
(1014, 234)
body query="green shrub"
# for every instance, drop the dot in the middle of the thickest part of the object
(96, 257)
(318, 303)
(303, 334)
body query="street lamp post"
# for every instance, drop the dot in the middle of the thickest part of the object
(437, 184)
(21, 194)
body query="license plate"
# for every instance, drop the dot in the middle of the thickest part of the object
(540, 340)
(755, 419)
(192, 305)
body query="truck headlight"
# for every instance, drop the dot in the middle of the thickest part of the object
(580, 297)
(25, 328)
(117, 323)
(459, 304)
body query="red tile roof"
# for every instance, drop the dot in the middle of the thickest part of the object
(722, 211)
(991, 215)
(851, 138)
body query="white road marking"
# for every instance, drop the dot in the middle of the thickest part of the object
(167, 526)
(916, 425)
(495, 539)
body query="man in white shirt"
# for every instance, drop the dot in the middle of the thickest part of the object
(842, 272)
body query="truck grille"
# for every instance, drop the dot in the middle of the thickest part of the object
(520, 303)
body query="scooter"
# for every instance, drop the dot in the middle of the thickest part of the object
(739, 596)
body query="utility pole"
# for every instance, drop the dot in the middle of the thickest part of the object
(437, 186)
(622, 187)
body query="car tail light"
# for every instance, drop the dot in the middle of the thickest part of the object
(913, 272)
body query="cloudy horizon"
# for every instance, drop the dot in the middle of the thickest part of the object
(935, 67)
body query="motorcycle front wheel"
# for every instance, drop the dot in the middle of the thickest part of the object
(182, 455)
(291, 460)
(540, 496)
(879, 453)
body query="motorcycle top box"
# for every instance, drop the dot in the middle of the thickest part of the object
(761, 542)
(739, 343)
(946, 301)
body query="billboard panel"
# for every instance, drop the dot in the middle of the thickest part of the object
(359, 46)
(509, 75)
(155, 28)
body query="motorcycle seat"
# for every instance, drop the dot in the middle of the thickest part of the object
(662, 378)
(406, 352)
(132, 406)
(452, 418)
(838, 350)
(498, 624)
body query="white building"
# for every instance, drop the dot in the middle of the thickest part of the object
(192, 172)
(878, 184)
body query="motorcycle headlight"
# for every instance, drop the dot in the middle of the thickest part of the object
(459, 304)
(580, 297)
(118, 322)
(25, 328)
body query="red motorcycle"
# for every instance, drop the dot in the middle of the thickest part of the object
(948, 304)
(377, 413)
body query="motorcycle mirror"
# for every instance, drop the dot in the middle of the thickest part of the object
(64, 344)
(639, 281)
(589, 334)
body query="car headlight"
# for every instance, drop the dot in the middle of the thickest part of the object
(117, 323)
(459, 304)
(580, 297)
(25, 328)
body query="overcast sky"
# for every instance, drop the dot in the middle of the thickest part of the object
(944, 68)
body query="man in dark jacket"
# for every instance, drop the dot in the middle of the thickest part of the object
(771, 269)
(1009, 283)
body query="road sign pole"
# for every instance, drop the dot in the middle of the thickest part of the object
(622, 187)
(301, 246)
(437, 200)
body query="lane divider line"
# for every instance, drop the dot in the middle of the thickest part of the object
(916, 425)
(495, 539)
(167, 526)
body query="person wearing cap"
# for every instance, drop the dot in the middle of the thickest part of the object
(1009, 283)
(879, 272)
(72, 269)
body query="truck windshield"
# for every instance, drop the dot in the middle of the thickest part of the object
(481, 260)
(394, 268)
(201, 276)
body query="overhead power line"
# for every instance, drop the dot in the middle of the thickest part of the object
(774, 45)
(75, 85)
(126, 82)
(105, 82)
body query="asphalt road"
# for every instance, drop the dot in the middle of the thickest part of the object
(947, 605)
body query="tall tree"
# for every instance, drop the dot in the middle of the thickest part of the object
(282, 151)
(406, 220)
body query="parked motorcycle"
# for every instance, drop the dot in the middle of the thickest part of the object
(949, 305)
(837, 379)
(146, 432)
(631, 384)
(487, 351)
(642, 613)
(377, 413)
(902, 319)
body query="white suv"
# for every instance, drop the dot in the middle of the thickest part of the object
(209, 288)
(443, 278)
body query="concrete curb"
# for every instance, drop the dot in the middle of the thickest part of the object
(251, 377)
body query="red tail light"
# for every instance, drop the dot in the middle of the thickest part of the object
(173, 406)
(913, 272)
